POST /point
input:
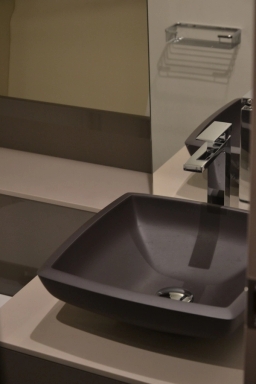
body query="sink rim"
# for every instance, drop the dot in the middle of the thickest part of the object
(47, 271)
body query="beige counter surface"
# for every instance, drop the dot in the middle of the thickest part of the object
(65, 182)
(36, 323)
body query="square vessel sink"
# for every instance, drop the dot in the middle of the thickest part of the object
(163, 263)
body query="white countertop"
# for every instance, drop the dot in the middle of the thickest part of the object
(38, 324)
(65, 182)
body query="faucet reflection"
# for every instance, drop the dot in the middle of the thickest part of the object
(215, 156)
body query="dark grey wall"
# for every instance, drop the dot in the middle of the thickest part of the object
(30, 232)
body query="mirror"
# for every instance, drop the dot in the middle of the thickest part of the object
(57, 54)
(189, 83)
(86, 53)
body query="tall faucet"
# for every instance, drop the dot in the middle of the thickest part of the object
(244, 169)
(215, 156)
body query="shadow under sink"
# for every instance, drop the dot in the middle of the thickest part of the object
(162, 263)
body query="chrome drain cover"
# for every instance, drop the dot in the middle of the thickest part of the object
(177, 294)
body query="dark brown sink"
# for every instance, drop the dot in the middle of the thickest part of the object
(162, 263)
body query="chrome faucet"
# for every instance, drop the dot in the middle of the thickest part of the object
(244, 169)
(215, 156)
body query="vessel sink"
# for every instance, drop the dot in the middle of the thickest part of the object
(167, 264)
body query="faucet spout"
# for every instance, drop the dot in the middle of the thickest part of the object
(215, 156)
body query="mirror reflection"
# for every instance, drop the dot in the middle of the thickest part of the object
(87, 53)
(189, 82)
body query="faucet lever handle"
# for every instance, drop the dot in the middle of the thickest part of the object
(214, 131)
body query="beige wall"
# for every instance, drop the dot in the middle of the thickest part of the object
(6, 10)
(90, 53)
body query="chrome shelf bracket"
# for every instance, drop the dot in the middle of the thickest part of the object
(220, 37)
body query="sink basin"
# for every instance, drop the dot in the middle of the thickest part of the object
(163, 263)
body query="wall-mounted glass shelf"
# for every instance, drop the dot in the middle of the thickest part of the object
(203, 35)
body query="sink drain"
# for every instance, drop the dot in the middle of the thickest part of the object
(178, 294)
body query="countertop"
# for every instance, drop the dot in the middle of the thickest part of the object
(69, 183)
(46, 327)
